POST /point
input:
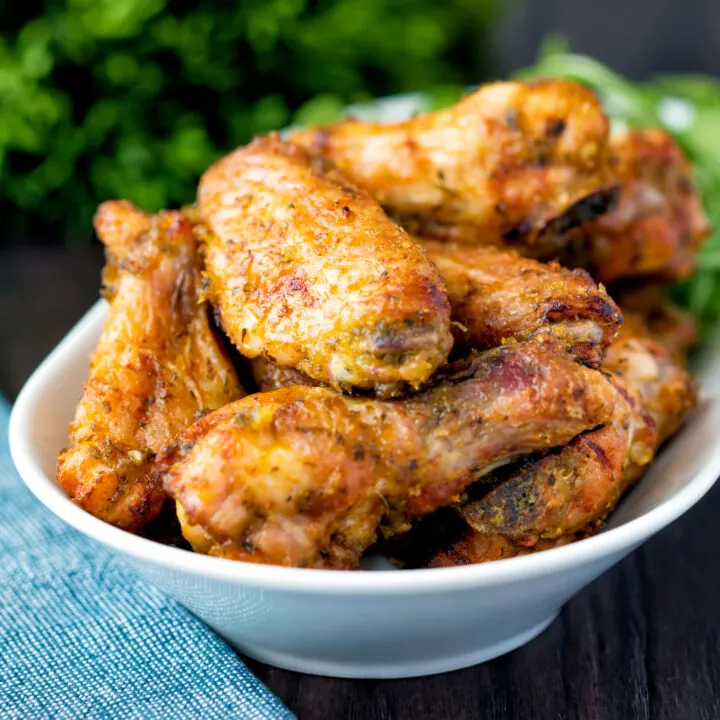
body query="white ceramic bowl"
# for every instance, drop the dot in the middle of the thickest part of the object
(371, 624)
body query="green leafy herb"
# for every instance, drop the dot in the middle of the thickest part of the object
(135, 98)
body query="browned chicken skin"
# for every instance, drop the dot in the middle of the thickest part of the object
(527, 444)
(557, 495)
(156, 369)
(659, 224)
(663, 388)
(519, 162)
(567, 493)
(496, 295)
(307, 270)
(473, 548)
(306, 476)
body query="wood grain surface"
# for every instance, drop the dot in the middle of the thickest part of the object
(643, 641)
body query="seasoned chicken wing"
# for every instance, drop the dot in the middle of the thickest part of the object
(659, 224)
(568, 492)
(557, 495)
(306, 476)
(495, 296)
(519, 162)
(306, 269)
(445, 540)
(156, 369)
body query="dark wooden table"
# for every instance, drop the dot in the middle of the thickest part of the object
(643, 641)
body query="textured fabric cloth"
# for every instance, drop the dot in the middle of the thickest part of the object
(81, 636)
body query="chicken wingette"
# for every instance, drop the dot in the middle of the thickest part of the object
(658, 225)
(496, 295)
(518, 162)
(308, 477)
(305, 269)
(156, 369)
(567, 493)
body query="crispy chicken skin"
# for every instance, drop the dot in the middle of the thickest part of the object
(306, 477)
(557, 495)
(663, 388)
(472, 548)
(569, 492)
(659, 224)
(156, 369)
(307, 270)
(519, 162)
(496, 295)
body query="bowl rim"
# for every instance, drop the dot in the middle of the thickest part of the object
(310, 580)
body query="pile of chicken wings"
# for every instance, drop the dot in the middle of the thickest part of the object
(395, 334)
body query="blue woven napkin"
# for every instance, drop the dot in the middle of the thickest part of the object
(81, 636)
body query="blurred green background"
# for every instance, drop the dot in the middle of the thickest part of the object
(134, 98)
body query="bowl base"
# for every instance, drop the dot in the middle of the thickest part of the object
(379, 670)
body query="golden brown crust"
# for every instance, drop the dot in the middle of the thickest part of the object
(496, 295)
(307, 270)
(306, 476)
(474, 548)
(663, 388)
(561, 497)
(659, 224)
(557, 495)
(522, 162)
(156, 368)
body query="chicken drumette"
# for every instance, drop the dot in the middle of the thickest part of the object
(307, 477)
(566, 494)
(496, 296)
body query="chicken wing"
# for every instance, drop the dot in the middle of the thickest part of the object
(662, 387)
(156, 369)
(495, 296)
(307, 270)
(658, 226)
(557, 495)
(306, 476)
(519, 162)
(569, 492)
